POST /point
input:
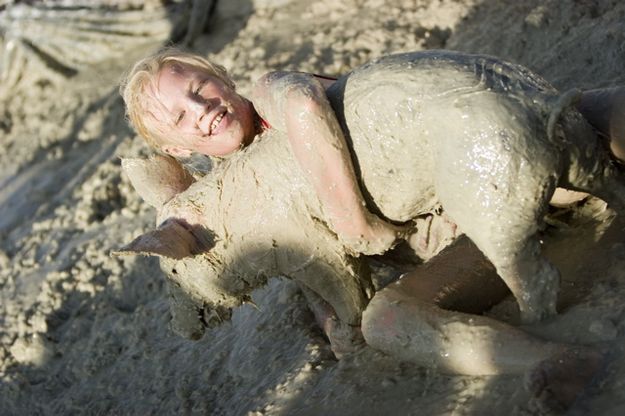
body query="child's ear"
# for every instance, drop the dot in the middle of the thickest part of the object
(176, 151)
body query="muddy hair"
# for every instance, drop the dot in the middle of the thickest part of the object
(134, 82)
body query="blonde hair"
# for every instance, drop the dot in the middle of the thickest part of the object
(134, 83)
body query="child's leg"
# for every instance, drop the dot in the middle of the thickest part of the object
(421, 318)
(605, 110)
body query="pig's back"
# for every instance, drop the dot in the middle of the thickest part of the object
(396, 110)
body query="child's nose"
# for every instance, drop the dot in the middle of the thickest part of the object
(203, 122)
(200, 111)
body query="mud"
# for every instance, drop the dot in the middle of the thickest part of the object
(82, 332)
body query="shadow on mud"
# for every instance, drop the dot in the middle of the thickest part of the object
(32, 193)
(112, 352)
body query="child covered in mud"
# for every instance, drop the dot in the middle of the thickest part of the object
(182, 103)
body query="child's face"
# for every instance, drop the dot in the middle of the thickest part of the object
(199, 112)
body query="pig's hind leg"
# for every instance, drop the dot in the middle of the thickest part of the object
(504, 224)
(531, 278)
(432, 316)
(501, 214)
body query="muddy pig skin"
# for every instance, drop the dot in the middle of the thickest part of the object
(487, 140)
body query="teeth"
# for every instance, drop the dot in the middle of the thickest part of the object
(216, 122)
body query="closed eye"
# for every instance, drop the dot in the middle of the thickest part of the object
(180, 117)
(199, 86)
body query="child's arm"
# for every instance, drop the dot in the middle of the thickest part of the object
(296, 104)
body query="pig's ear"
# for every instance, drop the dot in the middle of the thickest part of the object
(157, 179)
(174, 239)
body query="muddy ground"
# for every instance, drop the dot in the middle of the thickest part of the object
(84, 333)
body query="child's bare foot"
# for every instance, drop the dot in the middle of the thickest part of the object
(557, 381)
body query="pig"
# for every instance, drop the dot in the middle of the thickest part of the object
(484, 140)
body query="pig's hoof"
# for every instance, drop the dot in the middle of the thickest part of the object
(559, 380)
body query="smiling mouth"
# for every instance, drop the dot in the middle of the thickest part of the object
(216, 122)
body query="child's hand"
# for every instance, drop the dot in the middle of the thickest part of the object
(375, 236)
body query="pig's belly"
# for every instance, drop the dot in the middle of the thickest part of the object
(399, 113)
